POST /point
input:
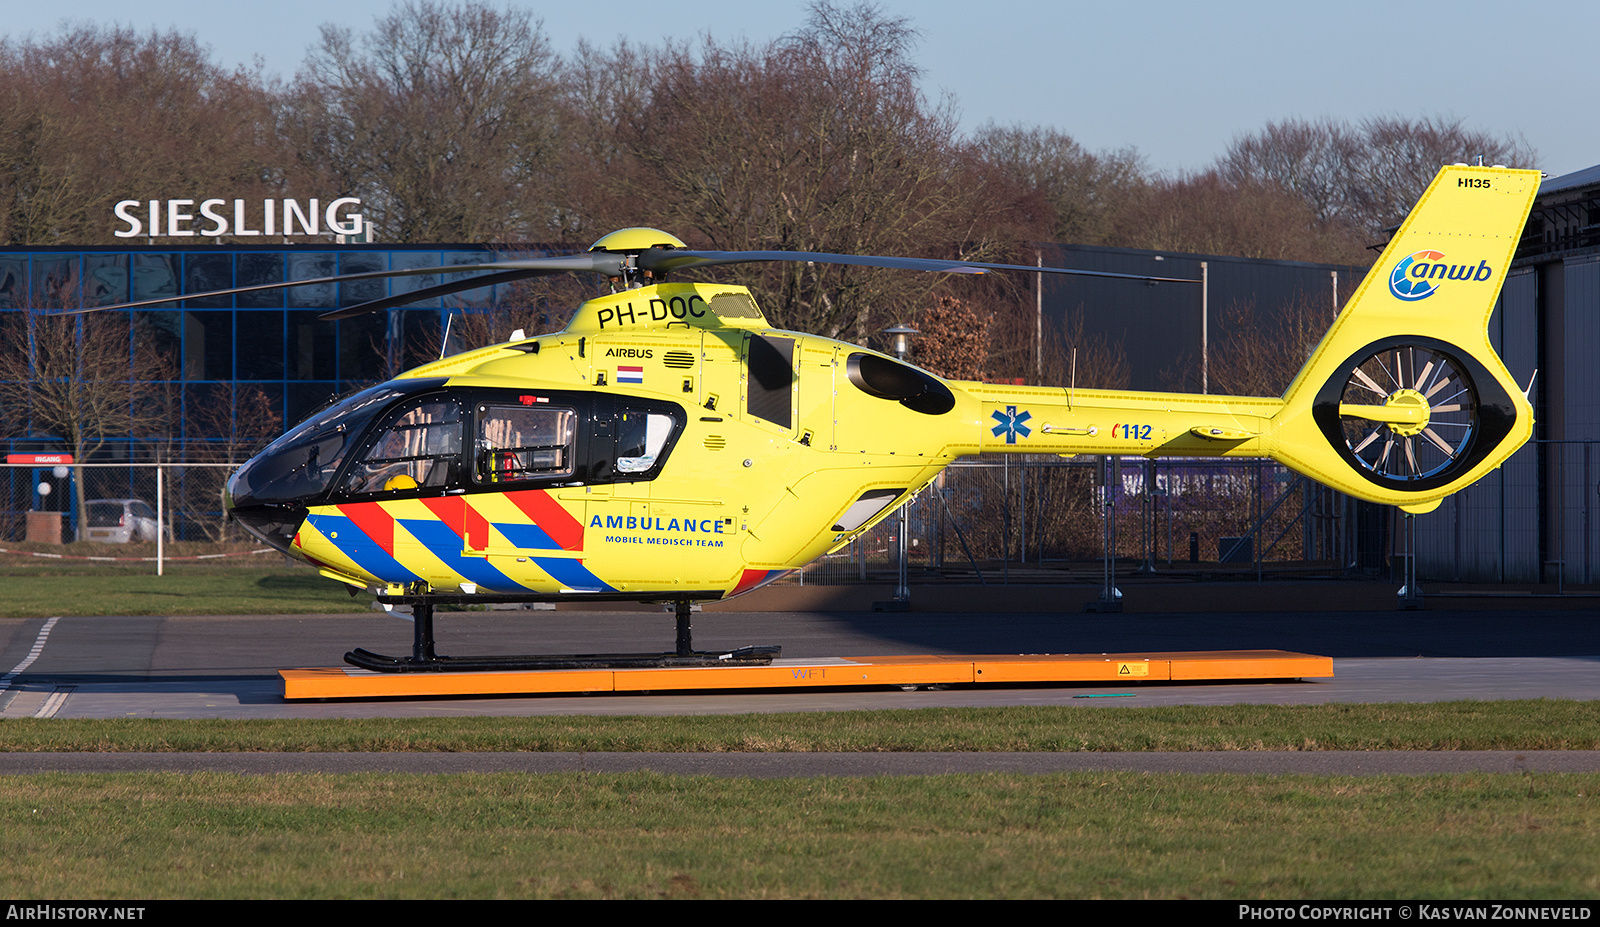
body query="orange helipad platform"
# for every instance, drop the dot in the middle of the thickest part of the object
(826, 672)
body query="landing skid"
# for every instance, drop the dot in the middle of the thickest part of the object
(744, 656)
(424, 659)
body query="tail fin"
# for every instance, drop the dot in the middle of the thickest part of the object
(1405, 401)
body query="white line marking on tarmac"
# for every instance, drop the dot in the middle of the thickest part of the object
(54, 702)
(33, 654)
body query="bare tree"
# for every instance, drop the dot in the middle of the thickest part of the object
(1206, 214)
(1073, 195)
(1310, 159)
(442, 119)
(1364, 177)
(470, 330)
(1072, 357)
(604, 89)
(1401, 156)
(818, 142)
(232, 423)
(96, 115)
(82, 381)
(1259, 353)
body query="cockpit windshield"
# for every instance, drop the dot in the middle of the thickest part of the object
(299, 465)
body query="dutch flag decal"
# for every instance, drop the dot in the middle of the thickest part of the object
(630, 375)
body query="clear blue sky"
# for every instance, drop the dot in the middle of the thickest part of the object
(1176, 80)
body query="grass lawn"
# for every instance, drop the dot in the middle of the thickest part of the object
(641, 835)
(260, 584)
(1545, 724)
(152, 836)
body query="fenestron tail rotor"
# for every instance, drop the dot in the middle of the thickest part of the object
(1408, 412)
(1411, 416)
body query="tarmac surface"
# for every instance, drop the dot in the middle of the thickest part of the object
(1458, 647)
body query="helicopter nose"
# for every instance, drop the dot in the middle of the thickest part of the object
(274, 524)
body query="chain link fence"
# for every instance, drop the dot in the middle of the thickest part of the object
(1014, 519)
(1533, 521)
(988, 520)
(983, 517)
(116, 504)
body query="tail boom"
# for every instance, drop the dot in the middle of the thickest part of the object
(1033, 420)
(1403, 402)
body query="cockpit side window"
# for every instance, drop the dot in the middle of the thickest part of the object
(517, 443)
(630, 438)
(417, 448)
(641, 436)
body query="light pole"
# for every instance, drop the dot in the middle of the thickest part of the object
(902, 589)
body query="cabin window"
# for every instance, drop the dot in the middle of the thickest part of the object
(866, 508)
(770, 361)
(418, 447)
(641, 436)
(517, 443)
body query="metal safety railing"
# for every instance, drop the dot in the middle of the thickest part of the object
(997, 521)
(146, 505)
(1009, 519)
(1532, 521)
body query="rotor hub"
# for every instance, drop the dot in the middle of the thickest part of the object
(1408, 400)
(634, 240)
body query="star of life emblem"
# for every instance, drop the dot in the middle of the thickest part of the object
(1011, 423)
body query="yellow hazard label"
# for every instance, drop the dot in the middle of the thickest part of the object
(1133, 669)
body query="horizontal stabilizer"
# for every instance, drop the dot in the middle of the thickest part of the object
(1221, 433)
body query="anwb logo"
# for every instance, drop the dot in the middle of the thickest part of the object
(1416, 277)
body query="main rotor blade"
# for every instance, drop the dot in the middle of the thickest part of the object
(610, 264)
(431, 292)
(594, 262)
(663, 259)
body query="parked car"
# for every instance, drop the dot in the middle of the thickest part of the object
(118, 521)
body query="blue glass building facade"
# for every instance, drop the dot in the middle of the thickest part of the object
(271, 341)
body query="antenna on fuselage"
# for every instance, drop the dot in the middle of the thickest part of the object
(1072, 378)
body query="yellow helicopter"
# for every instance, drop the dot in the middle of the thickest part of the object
(669, 445)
